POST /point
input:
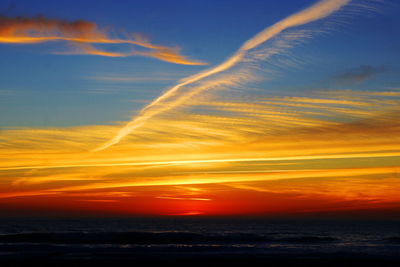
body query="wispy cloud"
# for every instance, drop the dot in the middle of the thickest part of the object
(359, 74)
(82, 36)
(131, 79)
(163, 103)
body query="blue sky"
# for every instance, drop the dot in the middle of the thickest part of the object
(40, 88)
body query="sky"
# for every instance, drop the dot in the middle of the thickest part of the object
(215, 108)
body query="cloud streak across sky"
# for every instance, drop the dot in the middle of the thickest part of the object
(82, 36)
(317, 11)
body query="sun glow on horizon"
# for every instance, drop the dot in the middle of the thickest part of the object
(270, 130)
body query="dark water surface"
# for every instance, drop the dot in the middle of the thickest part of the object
(200, 241)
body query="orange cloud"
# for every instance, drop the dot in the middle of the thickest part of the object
(81, 35)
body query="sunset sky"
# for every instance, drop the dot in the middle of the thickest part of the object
(217, 108)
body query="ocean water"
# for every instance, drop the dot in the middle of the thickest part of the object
(201, 238)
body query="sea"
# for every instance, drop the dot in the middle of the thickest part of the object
(199, 241)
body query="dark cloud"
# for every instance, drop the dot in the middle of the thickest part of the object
(359, 74)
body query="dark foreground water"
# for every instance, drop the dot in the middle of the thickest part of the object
(199, 241)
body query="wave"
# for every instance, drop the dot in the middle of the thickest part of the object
(156, 238)
(393, 239)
